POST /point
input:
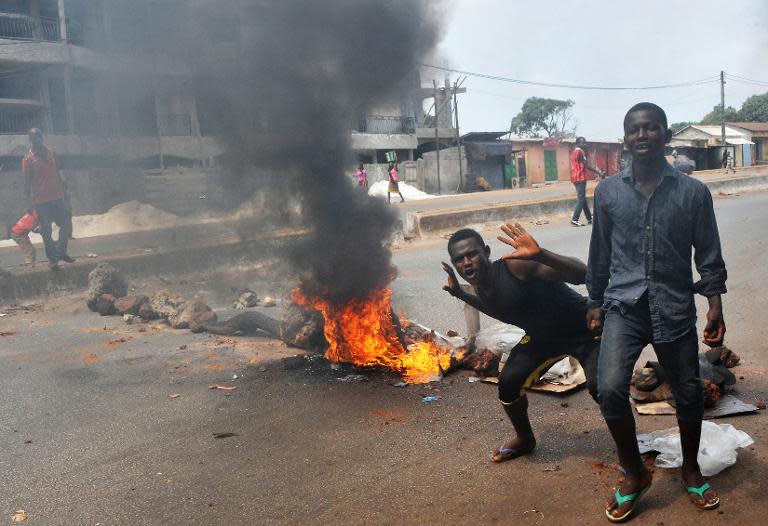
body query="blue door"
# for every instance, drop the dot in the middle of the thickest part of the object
(746, 151)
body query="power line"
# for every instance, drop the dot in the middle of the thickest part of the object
(707, 80)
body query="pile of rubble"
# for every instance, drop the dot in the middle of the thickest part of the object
(107, 294)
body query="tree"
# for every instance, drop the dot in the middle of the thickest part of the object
(754, 109)
(551, 116)
(677, 126)
(716, 115)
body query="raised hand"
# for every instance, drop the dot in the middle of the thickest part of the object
(453, 288)
(525, 246)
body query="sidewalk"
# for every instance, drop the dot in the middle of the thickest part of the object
(204, 245)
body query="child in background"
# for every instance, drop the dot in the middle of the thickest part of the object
(20, 234)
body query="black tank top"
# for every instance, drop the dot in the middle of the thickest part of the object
(548, 311)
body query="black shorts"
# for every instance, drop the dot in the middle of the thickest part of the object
(530, 359)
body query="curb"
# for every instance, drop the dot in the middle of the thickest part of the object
(421, 224)
(41, 281)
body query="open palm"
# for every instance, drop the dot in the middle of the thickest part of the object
(525, 246)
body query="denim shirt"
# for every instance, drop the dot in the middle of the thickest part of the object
(643, 246)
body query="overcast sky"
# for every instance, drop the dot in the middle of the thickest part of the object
(605, 43)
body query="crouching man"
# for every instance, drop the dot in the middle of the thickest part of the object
(526, 288)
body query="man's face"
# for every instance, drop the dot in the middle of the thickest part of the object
(580, 143)
(645, 135)
(470, 259)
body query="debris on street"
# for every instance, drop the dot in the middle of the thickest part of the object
(103, 280)
(430, 399)
(222, 387)
(353, 378)
(247, 299)
(174, 396)
(717, 449)
(268, 301)
(19, 516)
(225, 435)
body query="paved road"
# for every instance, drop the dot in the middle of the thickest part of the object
(90, 435)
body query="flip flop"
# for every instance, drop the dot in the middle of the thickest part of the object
(700, 492)
(508, 453)
(634, 498)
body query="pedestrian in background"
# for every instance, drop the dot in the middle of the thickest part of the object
(45, 193)
(394, 186)
(579, 169)
(362, 176)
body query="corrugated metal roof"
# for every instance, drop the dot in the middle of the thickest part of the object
(715, 131)
(751, 126)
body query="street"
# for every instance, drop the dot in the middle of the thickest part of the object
(92, 433)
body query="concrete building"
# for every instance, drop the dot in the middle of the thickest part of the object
(756, 132)
(703, 144)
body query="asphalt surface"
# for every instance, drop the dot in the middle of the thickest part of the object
(92, 435)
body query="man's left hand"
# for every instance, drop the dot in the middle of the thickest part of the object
(525, 246)
(714, 331)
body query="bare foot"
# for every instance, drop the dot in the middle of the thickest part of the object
(627, 486)
(709, 500)
(513, 448)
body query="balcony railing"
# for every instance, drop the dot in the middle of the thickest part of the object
(386, 124)
(18, 122)
(175, 125)
(22, 27)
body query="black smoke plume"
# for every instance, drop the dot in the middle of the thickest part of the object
(285, 103)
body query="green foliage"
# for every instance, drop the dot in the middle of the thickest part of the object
(550, 116)
(716, 115)
(754, 109)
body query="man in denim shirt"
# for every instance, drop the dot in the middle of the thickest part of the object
(647, 221)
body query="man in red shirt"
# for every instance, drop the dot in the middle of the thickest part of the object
(44, 191)
(579, 180)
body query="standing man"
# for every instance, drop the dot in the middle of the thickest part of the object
(45, 193)
(526, 288)
(394, 185)
(579, 180)
(648, 221)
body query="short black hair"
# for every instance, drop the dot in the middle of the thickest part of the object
(648, 106)
(580, 139)
(465, 233)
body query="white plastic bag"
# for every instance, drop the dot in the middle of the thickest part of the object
(717, 449)
(499, 338)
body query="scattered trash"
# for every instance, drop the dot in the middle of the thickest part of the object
(222, 387)
(400, 384)
(451, 334)
(174, 396)
(247, 299)
(235, 377)
(717, 449)
(7, 333)
(225, 435)
(91, 255)
(727, 405)
(335, 366)
(19, 516)
(353, 378)
(430, 399)
(28, 441)
(3, 314)
(551, 469)
(182, 347)
(539, 519)
(130, 319)
(262, 369)
(473, 379)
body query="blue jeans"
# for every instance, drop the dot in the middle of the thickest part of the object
(49, 213)
(581, 202)
(626, 331)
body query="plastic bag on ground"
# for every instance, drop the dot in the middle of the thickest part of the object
(717, 449)
(499, 338)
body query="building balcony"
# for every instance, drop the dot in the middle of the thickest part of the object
(16, 26)
(386, 124)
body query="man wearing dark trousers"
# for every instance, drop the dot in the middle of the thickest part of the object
(649, 221)
(579, 169)
(45, 193)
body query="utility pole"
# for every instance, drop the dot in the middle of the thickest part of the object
(458, 138)
(437, 136)
(722, 107)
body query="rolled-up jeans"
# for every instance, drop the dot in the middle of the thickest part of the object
(581, 202)
(626, 331)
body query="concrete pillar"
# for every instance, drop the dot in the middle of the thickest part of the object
(68, 99)
(62, 21)
(45, 99)
(34, 12)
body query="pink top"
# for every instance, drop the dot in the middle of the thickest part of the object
(393, 174)
(360, 175)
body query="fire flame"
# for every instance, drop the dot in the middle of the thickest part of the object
(362, 332)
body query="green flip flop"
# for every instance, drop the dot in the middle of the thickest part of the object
(700, 492)
(623, 499)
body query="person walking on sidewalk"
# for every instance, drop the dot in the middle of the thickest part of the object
(649, 220)
(728, 161)
(45, 193)
(394, 186)
(579, 179)
(528, 288)
(362, 177)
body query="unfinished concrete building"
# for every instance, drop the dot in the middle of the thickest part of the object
(110, 105)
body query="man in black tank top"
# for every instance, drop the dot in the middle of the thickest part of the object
(526, 288)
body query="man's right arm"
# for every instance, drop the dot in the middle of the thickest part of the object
(27, 171)
(598, 265)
